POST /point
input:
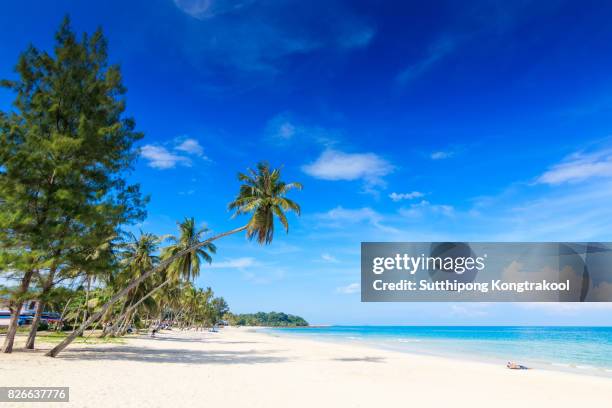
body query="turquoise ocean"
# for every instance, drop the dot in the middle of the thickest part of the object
(577, 349)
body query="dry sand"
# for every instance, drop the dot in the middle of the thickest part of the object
(242, 368)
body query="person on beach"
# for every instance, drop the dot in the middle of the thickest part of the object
(514, 366)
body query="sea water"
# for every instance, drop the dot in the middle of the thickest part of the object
(578, 349)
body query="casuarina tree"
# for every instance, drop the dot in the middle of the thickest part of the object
(65, 150)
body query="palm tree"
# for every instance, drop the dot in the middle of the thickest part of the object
(186, 267)
(137, 257)
(262, 195)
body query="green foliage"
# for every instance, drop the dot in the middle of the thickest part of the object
(65, 150)
(272, 319)
(263, 195)
(187, 267)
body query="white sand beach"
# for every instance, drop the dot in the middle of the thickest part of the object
(239, 367)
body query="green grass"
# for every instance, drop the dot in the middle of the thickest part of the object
(55, 337)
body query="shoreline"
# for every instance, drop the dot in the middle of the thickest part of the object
(387, 344)
(248, 367)
(428, 346)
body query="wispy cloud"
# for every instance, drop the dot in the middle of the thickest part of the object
(158, 157)
(206, 9)
(423, 206)
(579, 167)
(437, 51)
(236, 263)
(439, 155)
(162, 158)
(337, 165)
(191, 146)
(405, 196)
(357, 39)
(328, 258)
(258, 37)
(341, 217)
(282, 128)
(264, 277)
(286, 129)
(349, 289)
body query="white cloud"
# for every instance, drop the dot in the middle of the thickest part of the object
(191, 146)
(328, 258)
(419, 208)
(282, 127)
(159, 157)
(341, 214)
(405, 196)
(349, 289)
(579, 167)
(337, 165)
(439, 155)
(236, 263)
(340, 217)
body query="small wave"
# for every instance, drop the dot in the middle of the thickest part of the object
(409, 340)
(353, 337)
(585, 367)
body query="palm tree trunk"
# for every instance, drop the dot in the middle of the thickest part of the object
(142, 299)
(15, 309)
(114, 328)
(110, 327)
(58, 327)
(119, 295)
(124, 325)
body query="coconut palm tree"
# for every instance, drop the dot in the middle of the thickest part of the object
(186, 267)
(262, 195)
(137, 257)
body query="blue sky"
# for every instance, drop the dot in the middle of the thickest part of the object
(483, 121)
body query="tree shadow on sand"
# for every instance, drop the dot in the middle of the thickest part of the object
(361, 359)
(177, 356)
(207, 340)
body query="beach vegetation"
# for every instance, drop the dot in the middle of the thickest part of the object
(67, 210)
(271, 319)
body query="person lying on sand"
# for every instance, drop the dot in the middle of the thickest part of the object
(513, 366)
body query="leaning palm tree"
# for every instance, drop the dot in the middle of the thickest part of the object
(187, 266)
(137, 256)
(262, 195)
